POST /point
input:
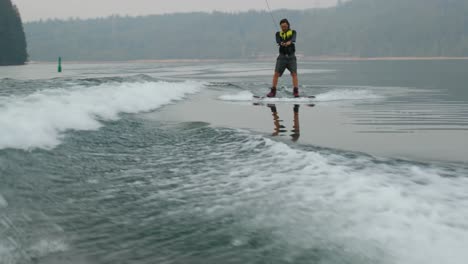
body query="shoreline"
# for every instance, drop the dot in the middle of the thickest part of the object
(331, 58)
(263, 59)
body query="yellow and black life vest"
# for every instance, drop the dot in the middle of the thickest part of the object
(286, 35)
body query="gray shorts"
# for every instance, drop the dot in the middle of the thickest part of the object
(284, 62)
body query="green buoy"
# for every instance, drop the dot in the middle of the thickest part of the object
(60, 64)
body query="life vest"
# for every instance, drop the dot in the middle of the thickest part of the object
(286, 35)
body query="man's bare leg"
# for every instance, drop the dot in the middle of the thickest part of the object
(295, 80)
(275, 79)
(295, 84)
(272, 92)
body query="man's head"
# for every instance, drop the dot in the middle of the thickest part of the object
(285, 26)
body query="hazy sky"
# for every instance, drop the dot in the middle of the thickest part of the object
(36, 9)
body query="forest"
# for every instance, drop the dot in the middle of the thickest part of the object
(356, 28)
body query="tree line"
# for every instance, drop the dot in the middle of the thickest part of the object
(362, 28)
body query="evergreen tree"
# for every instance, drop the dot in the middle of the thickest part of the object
(12, 38)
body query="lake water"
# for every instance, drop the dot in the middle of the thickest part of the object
(175, 163)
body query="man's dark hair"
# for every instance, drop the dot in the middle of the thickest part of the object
(284, 20)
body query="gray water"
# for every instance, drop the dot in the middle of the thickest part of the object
(86, 177)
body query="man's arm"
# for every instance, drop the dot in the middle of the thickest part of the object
(278, 38)
(293, 39)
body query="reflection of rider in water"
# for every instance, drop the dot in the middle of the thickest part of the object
(279, 129)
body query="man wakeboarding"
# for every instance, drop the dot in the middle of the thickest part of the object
(286, 39)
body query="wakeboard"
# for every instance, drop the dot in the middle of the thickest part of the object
(298, 98)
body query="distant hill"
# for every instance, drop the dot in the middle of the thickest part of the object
(12, 37)
(370, 28)
(362, 28)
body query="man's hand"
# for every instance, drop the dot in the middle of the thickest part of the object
(285, 44)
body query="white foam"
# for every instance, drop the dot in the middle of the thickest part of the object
(11, 251)
(45, 247)
(334, 95)
(353, 206)
(347, 94)
(38, 120)
(241, 96)
(7, 255)
(411, 213)
(3, 202)
(286, 100)
(246, 96)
